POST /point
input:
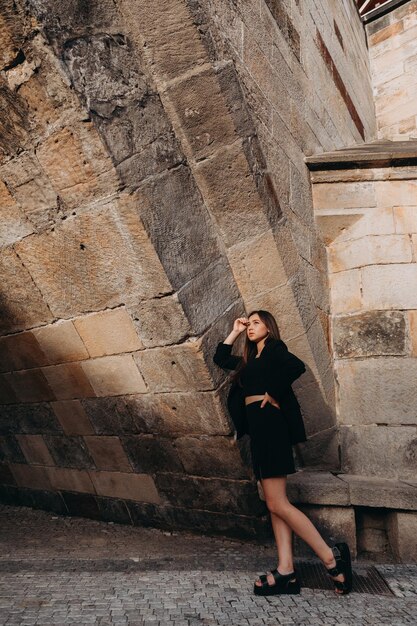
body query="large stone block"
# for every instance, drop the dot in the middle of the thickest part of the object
(317, 488)
(30, 385)
(111, 416)
(402, 531)
(369, 450)
(174, 368)
(333, 523)
(7, 394)
(105, 257)
(72, 417)
(406, 218)
(14, 223)
(69, 451)
(345, 291)
(29, 418)
(114, 375)
(35, 450)
(81, 505)
(377, 391)
(371, 333)
(60, 342)
(27, 307)
(108, 332)
(30, 476)
(369, 491)
(396, 193)
(108, 453)
(344, 195)
(211, 494)
(230, 193)
(320, 451)
(160, 321)
(149, 454)
(137, 487)
(21, 351)
(374, 250)
(6, 476)
(68, 380)
(64, 479)
(412, 320)
(10, 449)
(211, 456)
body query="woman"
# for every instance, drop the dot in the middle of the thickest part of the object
(262, 403)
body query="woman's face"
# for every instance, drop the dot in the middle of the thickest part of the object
(256, 329)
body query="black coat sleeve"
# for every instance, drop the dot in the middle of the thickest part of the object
(283, 369)
(224, 358)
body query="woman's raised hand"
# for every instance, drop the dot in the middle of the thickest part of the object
(240, 324)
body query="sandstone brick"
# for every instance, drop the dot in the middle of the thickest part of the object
(345, 291)
(388, 286)
(379, 492)
(60, 342)
(69, 451)
(174, 43)
(160, 321)
(406, 218)
(112, 416)
(30, 476)
(21, 351)
(174, 368)
(369, 450)
(7, 394)
(68, 380)
(230, 193)
(28, 418)
(334, 523)
(14, 223)
(30, 385)
(27, 306)
(108, 332)
(396, 193)
(370, 333)
(377, 391)
(211, 456)
(72, 417)
(402, 529)
(108, 453)
(344, 195)
(65, 479)
(386, 33)
(10, 449)
(137, 487)
(107, 254)
(317, 488)
(375, 250)
(412, 320)
(35, 449)
(149, 454)
(114, 375)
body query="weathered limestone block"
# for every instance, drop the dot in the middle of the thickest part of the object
(14, 223)
(375, 250)
(31, 476)
(30, 385)
(72, 417)
(138, 487)
(321, 450)
(380, 492)
(211, 456)
(149, 454)
(64, 479)
(10, 449)
(21, 351)
(23, 305)
(11, 32)
(69, 451)
(29, 418)
(174, 368)
(35, 450)
(173, 42)
(370, 450)
(377, 391)
(402, 530)
(111, 415)
(406, 218)
(345, 291)
(317, 488)
(14, 136)
(80, 266)
(211, 494)
(160, 321)
(236, 208)
(333, 523)
(371, 333)
(108, 332)
(345, 195)
(114, 375)
(67, 381)
(108, 453)
(371, 533)
(398, 193)
(60, 342)
(412, 320)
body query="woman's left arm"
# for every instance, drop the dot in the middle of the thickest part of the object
(283, 369)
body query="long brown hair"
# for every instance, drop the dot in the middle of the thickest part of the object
(249, 349)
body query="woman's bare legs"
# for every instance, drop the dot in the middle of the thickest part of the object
(283, 539)
(280, 507)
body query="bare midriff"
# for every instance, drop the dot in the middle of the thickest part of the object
(250, 399)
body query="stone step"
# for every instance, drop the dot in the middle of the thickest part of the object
(374, 154)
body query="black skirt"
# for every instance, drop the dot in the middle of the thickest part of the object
(270, 442)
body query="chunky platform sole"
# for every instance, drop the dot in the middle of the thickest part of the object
(284, 585)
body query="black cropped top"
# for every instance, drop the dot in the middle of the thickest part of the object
(253, 378)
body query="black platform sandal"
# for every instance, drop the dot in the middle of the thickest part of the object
(343, 566)
(284, 584)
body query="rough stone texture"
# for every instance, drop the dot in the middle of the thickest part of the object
(64, 479)
(68, 380)
(334, 524)
(372, 333)
(402, 528)
(317, 488)
(149, 454)
(114, 375)
(30, 385)
(138, 487)
(69, 451)
(380, 492)
(35, 449)
(60, 343)
(211, 456)
(21, 351)
(72, 417)
(29, 419)
(108, 453)
(109, 332)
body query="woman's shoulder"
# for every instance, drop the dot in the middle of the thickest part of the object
(272, 345)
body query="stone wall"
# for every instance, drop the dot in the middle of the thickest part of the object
(153, 187)
(393, 54)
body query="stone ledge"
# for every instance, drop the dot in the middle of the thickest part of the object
(375, 154)
(348, 489)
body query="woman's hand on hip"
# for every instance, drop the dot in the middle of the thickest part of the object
(271, 400)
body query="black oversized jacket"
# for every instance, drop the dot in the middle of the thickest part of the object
(282, 368)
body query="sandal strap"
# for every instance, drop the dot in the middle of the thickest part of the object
(281, 577)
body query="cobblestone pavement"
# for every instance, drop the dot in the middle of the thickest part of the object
(60, 570)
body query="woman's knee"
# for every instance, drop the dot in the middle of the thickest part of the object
(278, 506)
